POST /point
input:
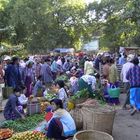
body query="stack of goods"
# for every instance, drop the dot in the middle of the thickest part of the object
(5, 133)
(23, 125)
(29, 135)
(89, 103)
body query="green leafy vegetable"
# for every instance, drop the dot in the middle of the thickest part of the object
(23, 125)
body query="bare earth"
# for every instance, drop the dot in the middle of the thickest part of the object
(126, 127)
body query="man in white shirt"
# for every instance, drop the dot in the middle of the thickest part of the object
(124, 71)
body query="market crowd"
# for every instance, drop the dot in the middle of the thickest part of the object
(35, 75)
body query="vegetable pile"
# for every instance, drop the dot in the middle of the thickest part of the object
(80, 94)
(50, 96)
(23, 125)
(5, 133)
(62, 77)
(29, 135)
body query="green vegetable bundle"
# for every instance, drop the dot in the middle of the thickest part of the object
(62, 77)
(80, 94)
(50, 96)
(23, 125)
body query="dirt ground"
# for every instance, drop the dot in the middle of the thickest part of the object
(126, 127)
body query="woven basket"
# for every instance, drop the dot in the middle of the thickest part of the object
(33, 108)
(77, 116)
(92, 135)
(98, 119)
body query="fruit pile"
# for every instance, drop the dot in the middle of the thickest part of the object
(29, 135)
(44, 105)
(5, 133)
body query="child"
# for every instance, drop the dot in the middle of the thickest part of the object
(22, 99)
(39, 87)
(62, 93)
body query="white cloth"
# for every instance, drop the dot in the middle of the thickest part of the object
(62, 94)
(73, 80)
(91, 80)
(124, 71)
(59, 62)
(22, 99)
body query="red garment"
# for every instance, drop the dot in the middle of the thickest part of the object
(48, 116)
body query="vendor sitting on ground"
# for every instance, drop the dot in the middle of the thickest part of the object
(62, 125)
(12, 111)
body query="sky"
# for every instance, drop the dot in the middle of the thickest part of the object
(89, 1)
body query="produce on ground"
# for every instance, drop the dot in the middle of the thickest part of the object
(5, 133)
(29, 135)
(80, 94)
(44, 105)
(23, 125)
(62, 77)
(50, 96)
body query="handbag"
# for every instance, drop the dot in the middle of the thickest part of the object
(114, 92)
(6, 91)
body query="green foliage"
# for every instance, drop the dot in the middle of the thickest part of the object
(120, 22)
(80, 94)
(46, 24)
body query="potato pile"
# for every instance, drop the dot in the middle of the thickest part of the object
(44, 105)
(5, 133)
(29, 135)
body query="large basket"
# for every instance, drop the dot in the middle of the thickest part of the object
(99, 119)
(92, 135)
(33, 108)
(77, 116)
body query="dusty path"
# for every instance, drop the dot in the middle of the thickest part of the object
(126, 127)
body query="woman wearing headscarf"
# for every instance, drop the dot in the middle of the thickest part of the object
(29, 77)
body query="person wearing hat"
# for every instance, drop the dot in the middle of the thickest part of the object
(12, 74)
(29, 77)
(126, 84)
